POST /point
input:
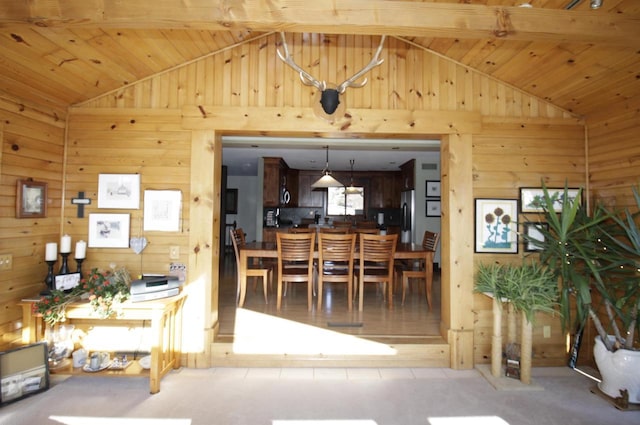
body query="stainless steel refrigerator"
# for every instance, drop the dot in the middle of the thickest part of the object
(408, 227)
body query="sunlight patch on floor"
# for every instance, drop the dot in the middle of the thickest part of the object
(324, 422)
(469, 420)
(258, 333)
(87, 420)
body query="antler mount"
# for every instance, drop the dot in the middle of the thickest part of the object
(330, 95)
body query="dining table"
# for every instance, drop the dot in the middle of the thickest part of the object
(404, 251)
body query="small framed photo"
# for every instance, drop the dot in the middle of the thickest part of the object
(31, 199)
(119, 191)
(109, 230)
(162, 210)
(433, 208)
(231, 201)
(495, 226)
(433, 189)
(531, 198)
(66, 282)
(533, 236)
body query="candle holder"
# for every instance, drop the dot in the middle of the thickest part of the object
(79, 263)
(64, 268)
(50, 279)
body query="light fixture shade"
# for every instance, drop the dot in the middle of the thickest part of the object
(351, 190)
(326, 181)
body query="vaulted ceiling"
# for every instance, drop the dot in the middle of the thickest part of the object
(63, 52)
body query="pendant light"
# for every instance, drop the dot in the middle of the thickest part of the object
(326, 180)
(351, 189)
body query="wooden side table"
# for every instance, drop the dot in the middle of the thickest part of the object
(164, 314)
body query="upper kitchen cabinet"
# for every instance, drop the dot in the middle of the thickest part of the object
(274, 182)
(408, 171)
(307, 197)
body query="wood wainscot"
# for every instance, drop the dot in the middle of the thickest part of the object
(164, 315)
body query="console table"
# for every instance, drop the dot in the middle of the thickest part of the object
(164, 314)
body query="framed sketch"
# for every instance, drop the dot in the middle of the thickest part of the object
(531, 198)
(432, 208)
(231, 201)
(31, 199)
(109, 230)
(433, 189)
(66, 282)
(162, 210)
(533, 233)
(119, 191)
(495, 226)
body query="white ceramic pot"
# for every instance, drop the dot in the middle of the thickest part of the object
(619, 370)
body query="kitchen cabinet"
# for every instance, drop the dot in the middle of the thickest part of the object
(275, 176)
(307, 197)
(408, 171)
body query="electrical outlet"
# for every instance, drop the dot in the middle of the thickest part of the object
(174, 252)
(6, 262)
(546, 331)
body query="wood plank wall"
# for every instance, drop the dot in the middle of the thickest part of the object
(523, 140)
(32, 146)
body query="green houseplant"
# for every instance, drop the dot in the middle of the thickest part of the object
(528, 288)
(596, 258)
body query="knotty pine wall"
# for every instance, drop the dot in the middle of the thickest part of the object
(32, 146)
(137, 130)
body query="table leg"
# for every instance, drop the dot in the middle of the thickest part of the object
(242, 273)
(428, 279)
(156, 352)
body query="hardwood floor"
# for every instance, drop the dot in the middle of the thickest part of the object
(409, 323)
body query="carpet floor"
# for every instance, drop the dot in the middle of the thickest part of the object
(320, 396)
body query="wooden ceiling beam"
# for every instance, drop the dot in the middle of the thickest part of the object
(367, 17)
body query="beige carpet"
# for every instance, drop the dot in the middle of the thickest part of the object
(319, 396)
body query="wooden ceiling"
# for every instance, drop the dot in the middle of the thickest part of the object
(63, 52)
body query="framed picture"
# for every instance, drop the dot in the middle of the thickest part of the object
(31, 199)
(109, 230)
(531, 198)
(432, 208)
(433, 189)
(120, 191)
(532, 234)
(231, 201)
(496, 229)
(66, 282)
(162, 210)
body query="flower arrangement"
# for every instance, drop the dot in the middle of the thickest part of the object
(105, 291)
(52, 307)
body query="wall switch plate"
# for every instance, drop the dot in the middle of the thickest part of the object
(6, 261)
(174, 252)
(546, 331)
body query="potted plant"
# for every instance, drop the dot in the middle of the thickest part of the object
(596, 258)
(528, 288)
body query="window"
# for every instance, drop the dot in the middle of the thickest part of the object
(341, 203)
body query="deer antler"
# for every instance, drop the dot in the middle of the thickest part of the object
(306, 78)
(351, 82)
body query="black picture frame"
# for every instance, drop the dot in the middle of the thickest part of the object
(231, 201)
(432, 189)
(433, 208)
(530, 195)
(532, 233)
(31, 199)
(24, 371)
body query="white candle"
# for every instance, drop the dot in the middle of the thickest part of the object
(51, 252)
(81, 249)
(65, 244)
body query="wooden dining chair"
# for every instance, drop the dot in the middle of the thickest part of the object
(375, 265)
(335, 262)
(266, 273)
(295, 262)
(423, 269)
(301, 230)
(342, 223)
(335, 230)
